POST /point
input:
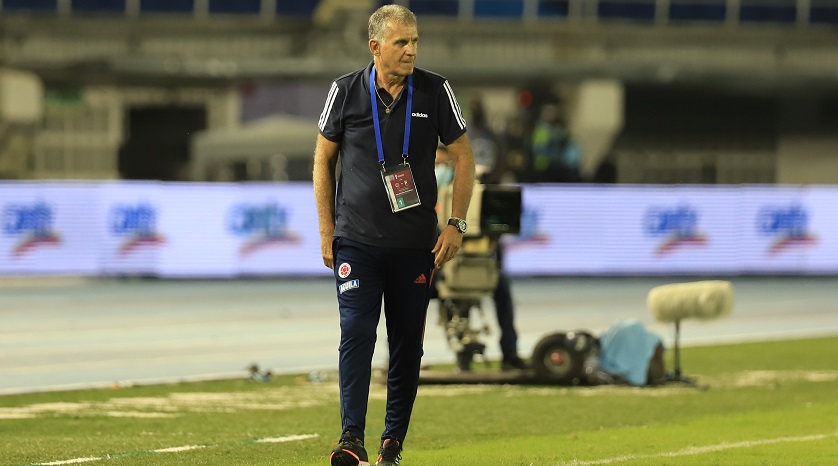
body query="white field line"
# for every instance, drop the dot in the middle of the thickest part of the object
(75, 461)
(705, 449)
(179, 449)
(288, 438)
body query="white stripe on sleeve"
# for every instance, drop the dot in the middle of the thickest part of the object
(455, 107)
(330, 100)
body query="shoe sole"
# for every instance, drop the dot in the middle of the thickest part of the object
(346, 458)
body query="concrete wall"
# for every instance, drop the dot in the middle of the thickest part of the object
(807, 149)
(808, 159)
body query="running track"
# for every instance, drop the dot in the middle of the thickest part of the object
(62, 333)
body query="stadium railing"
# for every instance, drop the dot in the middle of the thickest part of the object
(303, 8)
(658, 11)
(800, 12)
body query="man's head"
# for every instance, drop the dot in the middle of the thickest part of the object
(393, 40)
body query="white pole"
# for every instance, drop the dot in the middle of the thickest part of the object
(64, 7)
(661, 12)
(267, 10)
(132, 8)
(803, 12)
(732, 13)
(466, 10)
(530, 10)
(201, 9)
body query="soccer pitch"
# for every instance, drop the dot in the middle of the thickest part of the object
(766, 403)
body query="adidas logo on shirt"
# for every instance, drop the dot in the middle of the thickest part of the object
(420, 115)
(420, 279)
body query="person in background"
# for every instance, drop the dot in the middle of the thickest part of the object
(378, 223)
(555, 155)
(515, 147)
(484, 143)
(502, 295)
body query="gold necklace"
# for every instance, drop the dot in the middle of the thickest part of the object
(386, 107)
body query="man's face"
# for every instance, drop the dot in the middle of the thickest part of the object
(397, 53)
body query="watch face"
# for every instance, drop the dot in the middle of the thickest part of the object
(458, 223)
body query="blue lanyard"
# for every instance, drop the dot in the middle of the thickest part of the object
(407, 117)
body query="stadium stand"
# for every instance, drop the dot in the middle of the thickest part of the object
(819, 12)
(203, 51)
(692, 11)
(116, 7)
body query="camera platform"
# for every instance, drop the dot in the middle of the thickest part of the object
(488, 377)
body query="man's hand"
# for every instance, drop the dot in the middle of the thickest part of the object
(323, 176)
(326, 249)
(447, 245)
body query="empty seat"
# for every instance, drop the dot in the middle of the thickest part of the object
(824, 12)
(692, 10)
(636, 10)
(769, 12)
(98, 6)
(167, 6)
(239, 7)
(296, 7)
(499, 8)
(434, 7)
(30, 5)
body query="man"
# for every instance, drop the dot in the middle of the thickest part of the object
(377, 221)
(488, 163)
(502, 295)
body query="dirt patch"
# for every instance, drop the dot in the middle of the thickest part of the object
(317, 394)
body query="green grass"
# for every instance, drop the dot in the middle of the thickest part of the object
(772, 403)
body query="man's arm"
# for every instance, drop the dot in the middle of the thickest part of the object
(325, 163)
(450, 239)
(463, 159)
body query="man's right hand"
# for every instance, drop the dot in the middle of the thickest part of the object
(326, 250)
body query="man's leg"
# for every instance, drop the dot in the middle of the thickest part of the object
(506, 317)
(359, 288)
(406, 296)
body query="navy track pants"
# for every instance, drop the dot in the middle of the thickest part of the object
(364, 274)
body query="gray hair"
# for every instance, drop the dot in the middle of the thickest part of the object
(381, 17)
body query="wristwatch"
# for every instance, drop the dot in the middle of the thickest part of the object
(459, 223)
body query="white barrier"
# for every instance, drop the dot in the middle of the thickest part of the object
(676, 230)
(261, 229)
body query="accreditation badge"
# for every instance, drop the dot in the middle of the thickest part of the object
(401, 190)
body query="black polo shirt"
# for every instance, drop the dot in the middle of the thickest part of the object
(362, 211)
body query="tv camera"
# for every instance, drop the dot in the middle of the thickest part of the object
(472, 274)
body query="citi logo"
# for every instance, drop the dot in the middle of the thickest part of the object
(420, 115)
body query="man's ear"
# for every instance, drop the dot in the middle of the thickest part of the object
(375, 47)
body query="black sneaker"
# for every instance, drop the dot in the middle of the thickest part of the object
(349, 452)
(513, 363)
(390, 453)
